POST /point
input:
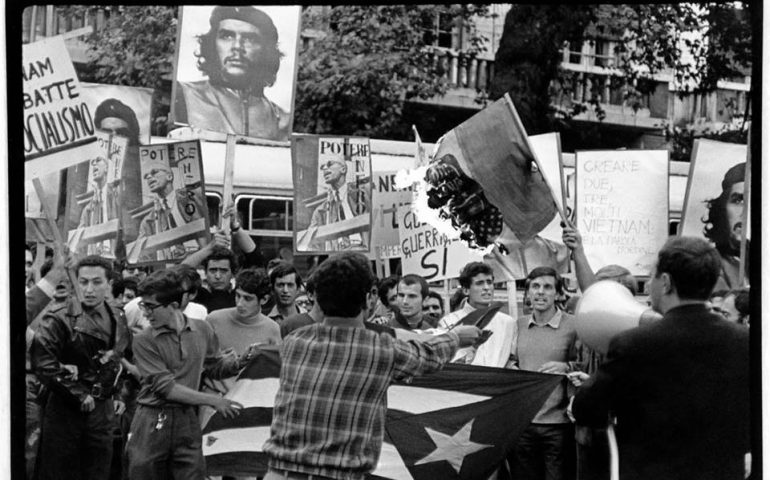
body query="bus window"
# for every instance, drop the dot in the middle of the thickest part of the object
(260, 213)
(673, 227)
(213, 202)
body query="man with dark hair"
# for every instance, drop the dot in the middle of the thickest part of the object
(284, 282)
(239, 55)
(433, 305)
(412, 289)
(679, 387)
(124, 289)
(546, 343)
(478, 284)
(330, 407)
(299, 320)
(171, 356)
(218, 292)
(387, 293)
(244, 325)
(79, 416)
(724, 226)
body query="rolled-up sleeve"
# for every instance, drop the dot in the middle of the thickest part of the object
(152, 367)
(415, 357)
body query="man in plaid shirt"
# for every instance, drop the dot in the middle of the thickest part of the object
(330, 408)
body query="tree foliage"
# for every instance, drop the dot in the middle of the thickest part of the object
(698, 43)
(356, 79)
(136, 48)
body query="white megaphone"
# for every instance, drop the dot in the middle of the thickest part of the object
(606, 309)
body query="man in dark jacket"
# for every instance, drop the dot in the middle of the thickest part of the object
(679, 387)
(79, 417)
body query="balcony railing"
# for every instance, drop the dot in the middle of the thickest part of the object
(462, 70)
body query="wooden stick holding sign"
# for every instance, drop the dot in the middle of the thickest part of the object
(48, 212)
(745, 219)
(227, 189)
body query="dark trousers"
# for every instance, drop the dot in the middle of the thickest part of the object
(171, 452)
(32, 424)
(73, 444)
(593, 453)
(544, 452)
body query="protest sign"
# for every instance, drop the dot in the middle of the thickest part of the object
(427, 252)
(209, 92)
(709, 165)
(173, 219)
(622, 206)
(332, 193)
(716, 202)
(94, 199)
(123, 110)
(56, 116)
(386, 199)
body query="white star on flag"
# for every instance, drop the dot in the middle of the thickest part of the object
(452, 448)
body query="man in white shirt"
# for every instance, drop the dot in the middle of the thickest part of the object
(477, 282)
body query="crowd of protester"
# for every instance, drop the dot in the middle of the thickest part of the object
(122, 371)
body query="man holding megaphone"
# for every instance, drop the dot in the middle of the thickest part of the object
(679, 387)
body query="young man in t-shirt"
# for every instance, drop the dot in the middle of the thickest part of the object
(329, 412)
(244, 325)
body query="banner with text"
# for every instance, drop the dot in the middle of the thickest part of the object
(56, 116)
(386, 199)
(622, 206)
(427, 252)
(332, 193)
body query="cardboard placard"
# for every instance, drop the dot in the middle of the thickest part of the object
(268, 74)
(622, 206)
(427, 252)
(173, 218)
(332, 194)
(56, 116)
(386, 199)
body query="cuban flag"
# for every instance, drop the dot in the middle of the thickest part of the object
(458, 423)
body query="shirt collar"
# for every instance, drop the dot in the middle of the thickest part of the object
(554, 322)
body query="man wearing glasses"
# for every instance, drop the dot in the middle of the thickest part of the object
(79, 415)
(103, 205)
(172, 355)
(171, 208)
(344, 200)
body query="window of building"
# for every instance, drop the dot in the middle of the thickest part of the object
(603, 54)
(575, 51)
(438, 30)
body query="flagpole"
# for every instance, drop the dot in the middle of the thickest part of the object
(509, 102)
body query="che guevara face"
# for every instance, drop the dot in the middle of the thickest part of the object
(238, 45)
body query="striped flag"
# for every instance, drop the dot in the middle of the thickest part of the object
(458, 423)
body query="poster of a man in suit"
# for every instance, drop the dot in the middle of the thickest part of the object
(173, 214)
(333, 178)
